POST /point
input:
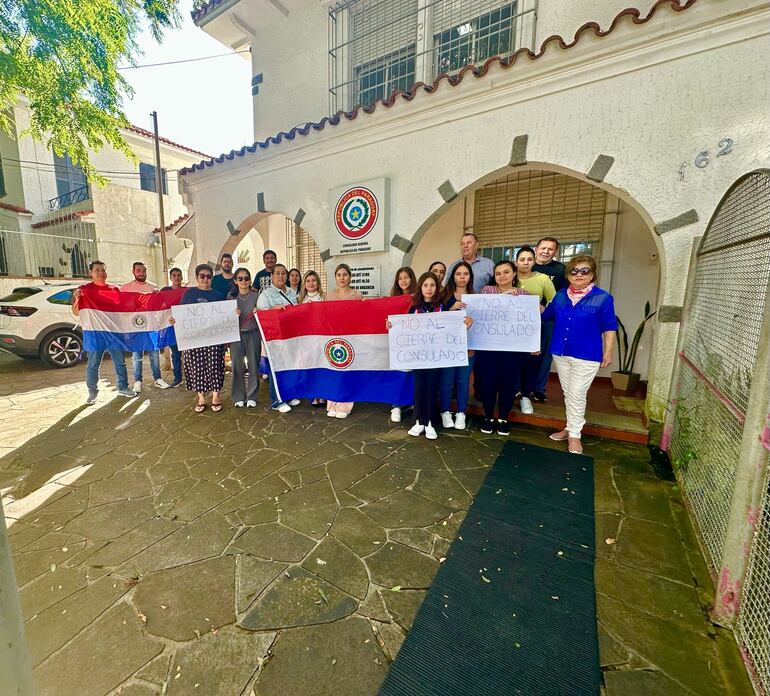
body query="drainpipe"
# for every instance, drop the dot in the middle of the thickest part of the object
(14, 660)
(750, 479)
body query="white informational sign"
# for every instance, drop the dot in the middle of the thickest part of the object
(504, 322)
(366, 279)
(206, 324)
(360, 217)
(425, 341)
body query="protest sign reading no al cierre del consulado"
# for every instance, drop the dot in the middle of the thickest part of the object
(504, 322)
(424, 341)
(205, 324)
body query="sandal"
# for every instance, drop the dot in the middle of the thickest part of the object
(217, 407)
(200, 408)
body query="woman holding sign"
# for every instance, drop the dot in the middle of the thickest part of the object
(246, 351)
(204, 368)
(583, 341)
(405, 283)
(499, 370)
(460, 283)
(343, 291)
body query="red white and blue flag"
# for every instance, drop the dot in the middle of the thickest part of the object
(335, 350)
(127, 321)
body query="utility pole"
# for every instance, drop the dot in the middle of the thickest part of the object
(159, 189)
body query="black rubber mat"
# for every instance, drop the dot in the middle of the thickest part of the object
(512, 610)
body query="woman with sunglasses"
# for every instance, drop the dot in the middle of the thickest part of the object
(204, 368)
(583, 341)
(246, 352)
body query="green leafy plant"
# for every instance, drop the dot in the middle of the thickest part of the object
(628, 354)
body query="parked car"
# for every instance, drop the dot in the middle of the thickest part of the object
(36, 321)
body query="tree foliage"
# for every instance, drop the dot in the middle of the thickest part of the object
(63, 57)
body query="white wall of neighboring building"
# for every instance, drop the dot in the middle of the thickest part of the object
(651, 96)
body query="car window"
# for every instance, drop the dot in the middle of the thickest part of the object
(20, 294)
(63, 297)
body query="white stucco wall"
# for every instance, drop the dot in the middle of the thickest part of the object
(650, 96)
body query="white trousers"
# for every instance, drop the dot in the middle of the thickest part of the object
(575, 376)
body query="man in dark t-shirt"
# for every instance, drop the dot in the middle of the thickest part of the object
(224, 282)
(545, 251)
(263, 278)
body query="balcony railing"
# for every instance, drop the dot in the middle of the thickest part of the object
(77, 195)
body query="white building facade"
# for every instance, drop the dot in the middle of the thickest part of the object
(53, 221)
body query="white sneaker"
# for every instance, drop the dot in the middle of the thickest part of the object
(162, 384)
(250, 403)
(341, 414)
(395, 415)
(526, 406)
(459, 421)
(238, 404)
(446, 419)
(331, 414)
(430, 431)
(294, 402)
(137, 386)
(282, 407)
(416, 429)
(92, 396)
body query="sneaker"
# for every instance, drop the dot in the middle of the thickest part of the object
(238, 404)
(175, 383)
(526, 406)
(281, 407)
(161, 383)
(91, 398)
(574, 445)
(138, 386)
(416, 429)
(561, 436)
(446, 420)
(264, 378)
(294, 402)
(341, 414)
(128, 393)
(395, 415)
(459, 421)
(430, 431)
(331, 414)
(250, 403)
(539, 397)
(487, 426)
(503, 428)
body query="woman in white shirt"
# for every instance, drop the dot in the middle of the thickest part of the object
(312, 291)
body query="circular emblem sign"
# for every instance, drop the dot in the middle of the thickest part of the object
(138, 321)
(356, 213)
(339, 353)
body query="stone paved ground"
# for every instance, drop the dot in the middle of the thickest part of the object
(254, 553)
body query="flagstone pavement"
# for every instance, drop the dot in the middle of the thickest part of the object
(254, 553)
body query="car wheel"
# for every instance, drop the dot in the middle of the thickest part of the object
(61, 348)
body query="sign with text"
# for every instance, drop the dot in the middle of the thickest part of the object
(504, 322)
(360, 217)
(366, 279)
(424, 341)
(205, 324)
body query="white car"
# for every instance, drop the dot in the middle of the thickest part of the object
(36, 321)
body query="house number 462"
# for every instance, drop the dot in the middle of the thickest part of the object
(703, 159)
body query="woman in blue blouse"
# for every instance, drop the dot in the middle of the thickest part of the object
(583, 340)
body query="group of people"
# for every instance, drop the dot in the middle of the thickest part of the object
(577, 334)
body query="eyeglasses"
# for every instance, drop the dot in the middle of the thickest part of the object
(580, 271)
(205, 275)
(240, 278)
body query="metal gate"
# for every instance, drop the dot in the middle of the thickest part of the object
(718, 421)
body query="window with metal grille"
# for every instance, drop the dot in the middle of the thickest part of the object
(147, 178)
(302, 252)
(378, 79)
(522, 208)
(69, 176)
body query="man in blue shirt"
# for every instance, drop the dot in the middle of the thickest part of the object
(483, 268)
(224, 282)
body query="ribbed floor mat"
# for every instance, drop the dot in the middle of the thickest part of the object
(512, 610)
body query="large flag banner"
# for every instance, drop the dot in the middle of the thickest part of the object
(335, 350)
(127, 321)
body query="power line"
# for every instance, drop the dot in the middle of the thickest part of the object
(51, 167)
(184, 60)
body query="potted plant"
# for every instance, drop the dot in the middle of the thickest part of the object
(625, 379)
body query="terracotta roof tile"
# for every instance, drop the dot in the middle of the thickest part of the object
(172, 225)
(151, 135)
(16, 209)
(64, 218)
(450, 80)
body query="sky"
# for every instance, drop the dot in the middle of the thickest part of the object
(205, 105)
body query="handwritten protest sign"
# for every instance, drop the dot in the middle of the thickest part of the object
(504, 322)
(424, 341)
(205, 324)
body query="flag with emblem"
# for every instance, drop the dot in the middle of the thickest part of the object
(335, 350)
(128, 321)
